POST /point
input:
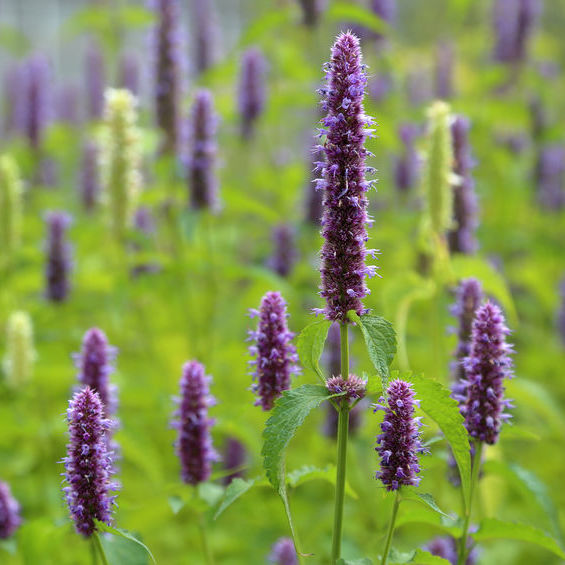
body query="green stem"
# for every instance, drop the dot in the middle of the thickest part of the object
(98, 545)
(391, 528)
(342, 434)
(93, 552)
(208, 557)
(474, 481)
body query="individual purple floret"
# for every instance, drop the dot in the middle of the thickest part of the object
(58, 261)
(399, 443)
(312, 11)
(462, 237)
(37, 96)
(353, 387)
(285, 253)
(444, 70)
(561, 312)
(275, 355)
(446, 547)
(314, 194)
(283, 552)
(486, 367)
(95, 80)
(88, 463)
(234, 457)
(345, 202)
(128, 73)
(549, 176)
(252, 90)
(89, 176)
(194, 441)
(67, 104)
(407, 167)
(205, 34)
(203, 148)
(10, 519)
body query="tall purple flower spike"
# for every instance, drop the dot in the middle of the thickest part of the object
(202, 178)
(194, 441)
(446, 547)
(312, 11)
(444, 70)
(89, 176)
(345, 202)
(275, 355)
(37, 96)
(486, 367)
(10, 519)
(234, 457)
(550, 176)
(128, 73)
(88, 464)
(561, 312)
(252, 90)
(462, 237)
(283, 552)
(399, 443)
(95, 80)
(285, 253)
(407, 167)
(58, 260)
(205, 34)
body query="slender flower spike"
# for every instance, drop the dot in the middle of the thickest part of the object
(20, 352)
(283, 552)
(285, 252)
(37, 95)
(194, 442)
(275, 355)
(10, 519)
(204, 32)
(10, 205)
(486, 367)
(399, 443)
(58, 260)
(462, 237)
(345, 203)
(549, 176)
(202, 161)
(88, 463)
(252, 90)
(120, 159)
(95, 80)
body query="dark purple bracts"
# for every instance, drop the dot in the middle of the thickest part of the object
(345, 203)
(10, 519)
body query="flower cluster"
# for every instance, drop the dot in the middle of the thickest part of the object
(204, 31)
(10, 519)
(58, 261)
(36, 83)
(353, 387)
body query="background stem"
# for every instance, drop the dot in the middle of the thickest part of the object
(206, 550)
(391, 528)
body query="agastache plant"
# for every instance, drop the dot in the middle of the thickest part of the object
(11, 206)
(10, 519)
(252, 90)
(37, 95)
(58, 257)
(20, 352)
(314, 194)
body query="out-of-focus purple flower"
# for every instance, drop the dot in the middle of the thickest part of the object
(89, 464)
(284, 253)
(444, 70)
(252, 89)
(205, 34)
(283, 552)
(399, 443)
(314, 194)
(37, 96)
(203, 148)
(234, 457)
(67, 105)
(48, 173)
(486, 367)
(561, 312)
(10, 519)
(446, 547)
(194, 441)
(312, 11)
(128, 73)
(143, 220)
(275, 355)
(345, 216)
(407, 166)
(89, 176)
(462, 237)
(95, 80)
(549, 176)
(58, 259)
(386, 11)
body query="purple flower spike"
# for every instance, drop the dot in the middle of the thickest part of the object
(194, 442)
(252, 90)
(407, 167)
(95, 80)
(37, 95)
(312, 11)
(462, 238)
(283, 552)
(202, 162)
(9, 512)
(205, 34)
(446, 547)
(275, 355)
(58, 263)
(399, 443)
(549, 176)
(468, 298)
(345, 202)
(444, 70)
(89, 176)
(128, 73)
(486, 367)
(285, 252)
(88, 463)
(354, 387)
(235, 457)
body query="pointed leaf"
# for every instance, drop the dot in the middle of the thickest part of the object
(238, 487)
(310, 344)
(425, 498)
(101, 527)
(311, 473)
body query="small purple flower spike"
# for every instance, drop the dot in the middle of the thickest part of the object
(10, 519)
(205, 34)
(407, 169)
(89, 176)
(252, 90)
(234, 457)
(128, 73)
(194, 442)
(486, 367)
(462, 238)
(345, 202)
(58, 261)
(561, 312)
(399, 443)
(446, 547)
(88, 463)
(550, 175)
(285, 252)
(95, 80)
(37, 95)
(283, 552)
(202, 161)
(312, 11)
(275, 355)
(354, 388)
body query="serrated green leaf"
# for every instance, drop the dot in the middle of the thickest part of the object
(311, 473)
(492, 528)
(436, 402)
(238, 487)
(424, 497)
(310, 344)
(101, 527)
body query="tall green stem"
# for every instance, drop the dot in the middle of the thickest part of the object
(342, 433)
(391, 528)
(98, 544)
(208, 557)
(474, 481)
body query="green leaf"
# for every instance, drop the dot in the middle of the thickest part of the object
(380, 339)
(492, 528)
(310, 345)
(238, 487)
(423, 515)
(424, 497)
(310, 473)
(13, 41)
(210, 493)
(176, 503)
(436, 402)
(131, 548)
(416, 557)
(355, 14)
(362, 561)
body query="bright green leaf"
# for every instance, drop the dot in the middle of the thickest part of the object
(101, 527)
(416, 557)
(310, 344)
(238, 487)
(362, 561)
(310, 473)
(424, 497)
